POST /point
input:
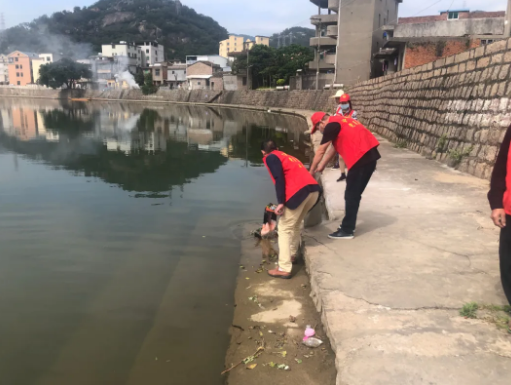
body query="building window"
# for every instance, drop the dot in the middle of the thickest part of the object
(15, 59)
(17, 66)
(198, 83)
(173, 72)
(17, 74)
(21, 67)
(21, 74)
(47, 59)
(244, 81)
(19, 83)
(156, 72)
(146, 51)
(486, 41)
(453, 16)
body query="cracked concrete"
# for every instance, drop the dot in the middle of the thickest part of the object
(390, 298)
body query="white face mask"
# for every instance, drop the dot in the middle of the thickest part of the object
(345, 106)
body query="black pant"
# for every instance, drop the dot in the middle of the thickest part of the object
(357, 181)
(505, 258)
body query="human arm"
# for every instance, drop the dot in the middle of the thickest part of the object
(498, 183)
(354, 115)
(275, 166)
(326, 159)
(330, 133)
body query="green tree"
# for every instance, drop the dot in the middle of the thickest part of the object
(63, 72)
(139, 78)
(268, 65)
(149, 88)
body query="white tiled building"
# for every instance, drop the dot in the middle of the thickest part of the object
(4, 70)
(152, 53)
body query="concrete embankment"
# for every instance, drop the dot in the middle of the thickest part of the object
(390, 298)
(295, 100)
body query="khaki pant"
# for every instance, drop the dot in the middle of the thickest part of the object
(290, 225)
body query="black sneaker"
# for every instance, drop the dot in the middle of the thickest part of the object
(343, 177)
(341, 234)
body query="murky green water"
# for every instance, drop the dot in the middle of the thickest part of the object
(117, 259)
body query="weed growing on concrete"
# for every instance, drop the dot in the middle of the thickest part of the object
(440, 146)
(469, 310)
(457, 155)
(401, 144)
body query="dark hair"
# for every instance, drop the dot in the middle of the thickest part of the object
(268, 146)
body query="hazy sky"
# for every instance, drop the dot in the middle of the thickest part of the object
(256, 17)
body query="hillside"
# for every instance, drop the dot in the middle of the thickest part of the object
(296, 35)
(80, 33)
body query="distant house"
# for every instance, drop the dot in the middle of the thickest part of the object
(159, 72)
(239, 43)
(235, 82)
(176, 75)
(127, 55)
(20, 68)
(200, 74)
(4, 70)
(151, 53)
(415, 41)
(44, 58)
(223, 62)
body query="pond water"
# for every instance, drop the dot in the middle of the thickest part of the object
(117, 255)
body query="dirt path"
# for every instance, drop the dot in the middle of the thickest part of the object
(275, 313)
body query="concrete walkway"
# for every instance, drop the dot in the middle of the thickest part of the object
(390, 298)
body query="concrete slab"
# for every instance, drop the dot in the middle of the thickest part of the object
(390, 298)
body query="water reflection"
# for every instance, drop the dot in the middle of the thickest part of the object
(96, 284)
(140, 148)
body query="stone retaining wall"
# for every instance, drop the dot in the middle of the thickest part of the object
(456, 107)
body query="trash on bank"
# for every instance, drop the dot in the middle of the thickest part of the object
(312, 342)
(309, 332)
(283, 354)
(298, 361)
(251, 367)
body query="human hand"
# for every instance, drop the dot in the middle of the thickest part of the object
(320, 169)
(280, 209)
(499, 218)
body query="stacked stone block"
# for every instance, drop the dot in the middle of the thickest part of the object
(462, 101)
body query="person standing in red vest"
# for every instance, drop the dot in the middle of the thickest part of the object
(297, 193)
(359, 149)
(500, 203)
(344, 109)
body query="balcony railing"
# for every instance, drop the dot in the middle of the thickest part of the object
(324, 19)
(323, 41)
(332, 31)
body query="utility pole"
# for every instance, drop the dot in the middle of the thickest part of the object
(317, 49)
(507, 30)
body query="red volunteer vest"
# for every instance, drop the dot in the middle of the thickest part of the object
(507, 194)
(354, 140)
(295, 173)
(339, 112)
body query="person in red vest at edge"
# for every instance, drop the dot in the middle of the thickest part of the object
(345, 108)
(500, 203)
(297, 193)
(359, 149)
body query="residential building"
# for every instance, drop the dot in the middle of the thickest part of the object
(44, 58)
(223, 62)
(151, 53)
(348, 60)
(235, 82)
(414, 41)
(176, 75)
(200, 74)
(20, 68)
(128, 55)
(239, 43)
(4, 70)
(159, 72)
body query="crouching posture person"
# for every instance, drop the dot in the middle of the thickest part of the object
(297, 193)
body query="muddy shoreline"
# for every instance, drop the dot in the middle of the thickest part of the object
(273, 313)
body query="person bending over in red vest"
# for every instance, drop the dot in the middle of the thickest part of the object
(359, 149)
(500, 203)
(297, 193)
